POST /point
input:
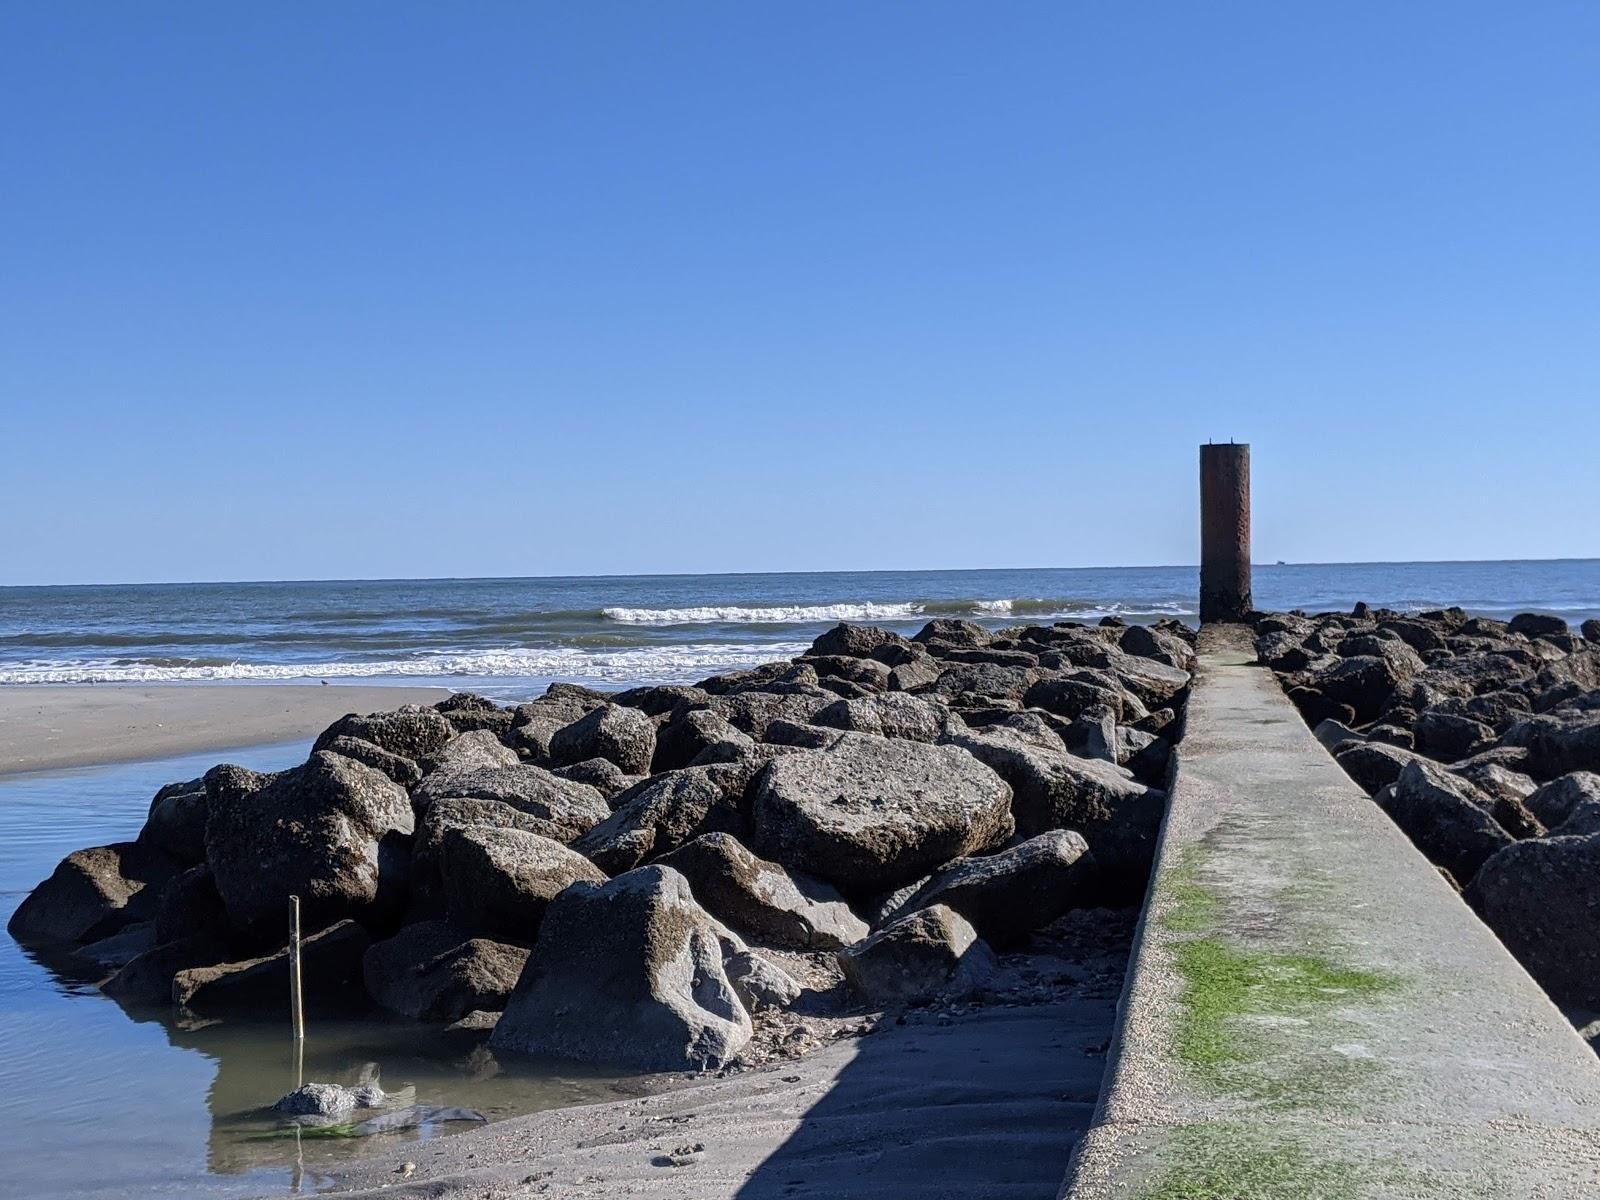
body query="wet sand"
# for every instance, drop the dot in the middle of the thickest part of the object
(44, 726)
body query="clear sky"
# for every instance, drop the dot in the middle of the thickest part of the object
(375, 288)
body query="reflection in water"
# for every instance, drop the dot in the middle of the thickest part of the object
(97, 1101)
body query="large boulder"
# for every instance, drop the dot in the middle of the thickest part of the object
(854, 641)
(433, 971)
(334, 832)
(1558, 742)
(1119, 816)
(1373, 765)
(624, 735)
(92, 894)
(397, 767)
(871, 813)
(661, 813)
(1538, 625)
(176, 824)
(1366, 681)
(628, 973)
(475, 748)
(1006, 896)
(692, 733)
(1445, 817)
(1449, 737)
(986, 681)
(330, 970)
(895, 715)
(568, 807)
(752, 712)
(916, 958)
(411, 732)
(1542, 898)
(1555, 801)
(761, 899)
(501, 881)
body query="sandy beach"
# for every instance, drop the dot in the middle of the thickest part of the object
(76, 725)
(982, 1106)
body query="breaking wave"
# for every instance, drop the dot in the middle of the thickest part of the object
(664, 663)
(868, 611)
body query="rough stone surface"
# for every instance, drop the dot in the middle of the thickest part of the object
(501, 881)
(93, 893)
(330, 967)
(569, 807)
(410, 732)
(761, 899)
(1543, 898)
(628, 973)
(176, 824)
(664, 811)
(1440, 814)
(624, 735)
(894, 715)
(434, 971)
(918, 957)
(873, 813)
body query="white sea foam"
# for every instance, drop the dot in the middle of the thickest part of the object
(785, 614)
(685, 662)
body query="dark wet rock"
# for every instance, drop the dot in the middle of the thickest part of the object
(1071, 697)
(1366, 682)
(1333, 734)
(761, 899)
(92, 894)
(984, 681)
(190, 905)
(1542, 898)
(872, 813)
(1537, 625)
(665, 811)
(146, 980)
(1008, 895)
(661, 699)
(469, 713)
(500, 881)
(1582, 821)
(1317, 708)
(176, 824)
(1554, 802)
(115, 951)
(894, 715)
(433, 971)
(924, 955)
(1558, 742)
(1373, 765)
(760, 984)
(603, 775)
(334, 832)
(330, 967)
(411, 732)
(570, 808)
(624, 735)
(752, 712)
(1446, 818)
(690, 733)
(866, 673)
(1447, 737)
(767, 676)
(397, 767)
(1591, 630)
(628, 973)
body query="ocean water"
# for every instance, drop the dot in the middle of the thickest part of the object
(511, 636)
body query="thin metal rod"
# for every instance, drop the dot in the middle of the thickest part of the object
(297, 1007)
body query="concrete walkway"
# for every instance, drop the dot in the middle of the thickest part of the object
(1313, 1012)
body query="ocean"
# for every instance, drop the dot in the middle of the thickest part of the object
(510, 637)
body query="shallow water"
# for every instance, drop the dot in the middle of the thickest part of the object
(509, 637)
(97, 1102)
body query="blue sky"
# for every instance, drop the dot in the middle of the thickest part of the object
(390, 289)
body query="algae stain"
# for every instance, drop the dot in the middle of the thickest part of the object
(1190, 906)
(1231, 1162)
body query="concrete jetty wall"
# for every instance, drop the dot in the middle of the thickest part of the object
(1312, 1010)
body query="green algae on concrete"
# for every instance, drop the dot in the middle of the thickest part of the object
(1226, 1161)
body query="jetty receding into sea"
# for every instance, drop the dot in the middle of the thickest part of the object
(1312, 1010)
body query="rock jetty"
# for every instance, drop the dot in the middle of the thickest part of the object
(641, 878)
(1481, 739)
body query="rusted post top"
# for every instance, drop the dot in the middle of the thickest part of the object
(1225, 532)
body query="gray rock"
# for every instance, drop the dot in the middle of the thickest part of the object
(629, 973)
(914, 674)
(603, 775)
(866, 673)
(570, 808)
(1333, 734)
(949, 631)
(328, 1100)
(1446, 818)
(1558, 742)
(330, 966)
(1366, 682)
(894, 715)
(1447, 737)
(660, 699)
(751, 712)
(689, 734)
(761, 899)
(624, 735)
(1071, 698)
(433, 971)
(92, 894)
(664, 811)
(1554, 802)
(411, 732)
(333, 832)
(477, 748)
(447, 815)
(986, 681)
(1373, 765)
(1583, 820)
(1536, 625)
(1006, 896)
(1542, 898)
(854, 641)
(759, 984)
(873, 813)
(397, 767)
(1591, 630)
(501, 881)
(924, 955)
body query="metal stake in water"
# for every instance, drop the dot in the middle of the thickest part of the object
(297, 1007)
